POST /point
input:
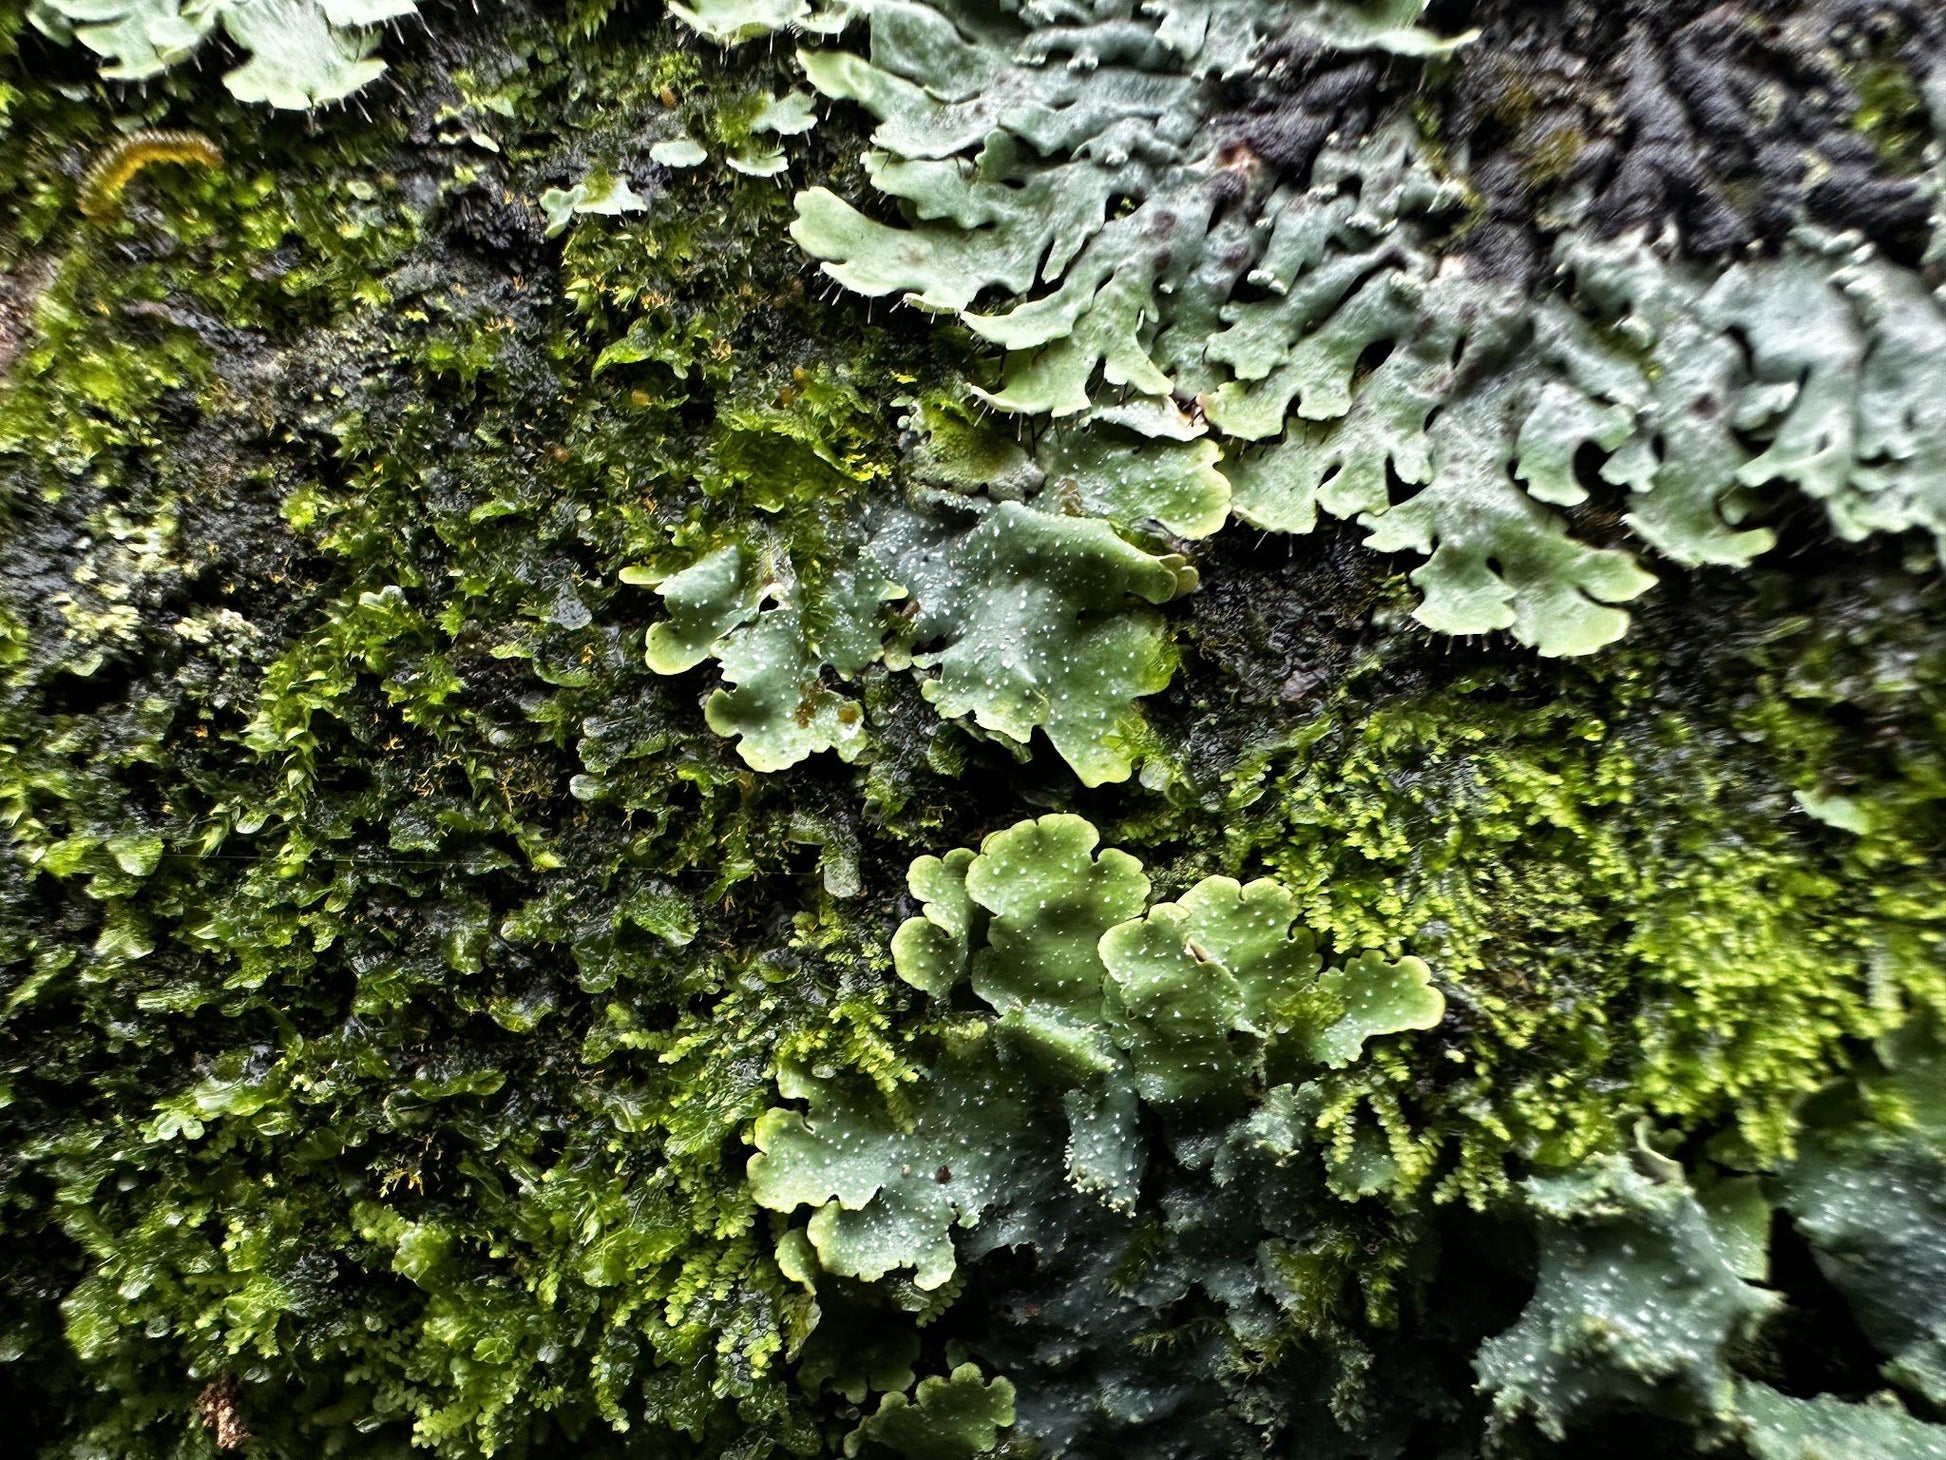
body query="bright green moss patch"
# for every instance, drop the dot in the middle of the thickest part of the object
(1628, 906)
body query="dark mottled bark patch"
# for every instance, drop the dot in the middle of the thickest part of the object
(1729, 124)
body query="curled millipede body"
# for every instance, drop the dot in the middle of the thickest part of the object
(101, 189)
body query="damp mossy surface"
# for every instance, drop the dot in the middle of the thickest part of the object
(618, 844)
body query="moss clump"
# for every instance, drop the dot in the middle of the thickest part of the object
(347, 809)
(1680, 883)
(1892, 113)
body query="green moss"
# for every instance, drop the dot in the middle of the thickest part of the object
(1892, 113)
(1626, 906)
(434, 844)
(121, 316)
(1552, 156)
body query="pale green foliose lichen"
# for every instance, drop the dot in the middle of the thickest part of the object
(603, 196)
(1778, 1427)
(1096, 998)
(956, 1417)
(302, 53)
(1635, 1307)
(1068, 198)
(1015, 618)
(1652, 1295)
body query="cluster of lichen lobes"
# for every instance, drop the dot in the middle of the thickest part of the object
(1651, 1296)
(1096, 999)
(1075, 191)
(1032, 619)
(302, 53)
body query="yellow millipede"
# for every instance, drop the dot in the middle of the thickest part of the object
(101, 189)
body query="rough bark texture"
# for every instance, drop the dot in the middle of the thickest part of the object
(488, 710)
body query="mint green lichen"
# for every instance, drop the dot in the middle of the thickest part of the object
(705, 601)
(1037, 621)
(930, 951)
(1777, 1427)
(1173, 1008)
(1225, 960)
(1498, 559)
(302, 53)
(1092, 999)
(879, 1196)
(1050, 901)
(1090, 207)
(1644, 1307)
(605, 197)
(956, 1417)
(681, 152)
(1369, 997)
(1072, 965)
(1138, 466)
(777, 705)
(1021, 620)
(729, 22)
(1869, 1192)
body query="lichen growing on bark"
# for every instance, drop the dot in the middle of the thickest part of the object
(612, 848)
(1314, 268)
